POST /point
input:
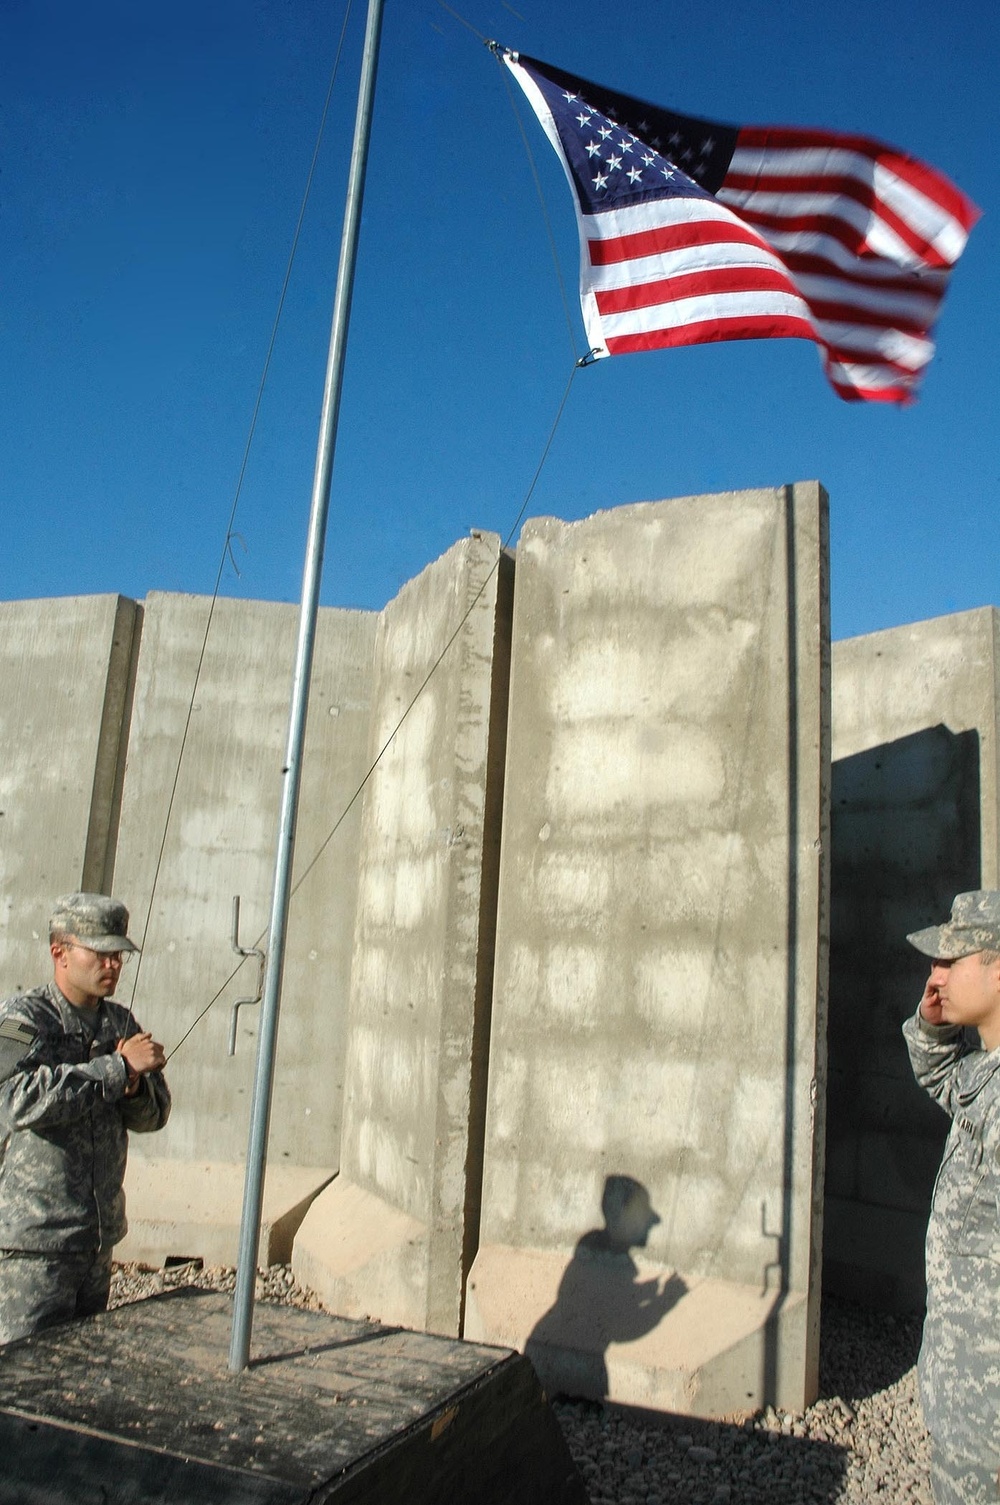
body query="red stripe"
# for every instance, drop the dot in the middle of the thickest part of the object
(805, 224)
(748, 327)
(848, 313)
(693, 284)
(863, 275)
(671, 238)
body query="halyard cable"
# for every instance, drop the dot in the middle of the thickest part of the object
(415, 697)
(497, 52)
(230, 535)
(584, 360)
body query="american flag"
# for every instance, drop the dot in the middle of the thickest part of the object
(691, 231)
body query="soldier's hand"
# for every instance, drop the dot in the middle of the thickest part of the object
(930, 1004)
(142, 1053)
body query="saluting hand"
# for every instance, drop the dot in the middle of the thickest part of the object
(930, 1004)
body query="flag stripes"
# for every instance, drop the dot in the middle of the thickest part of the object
(693, 232)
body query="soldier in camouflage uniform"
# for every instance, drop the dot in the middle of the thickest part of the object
(76, 1074)
(959, 1364)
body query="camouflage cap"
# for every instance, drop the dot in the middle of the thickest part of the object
(974, 926)
(97, 922)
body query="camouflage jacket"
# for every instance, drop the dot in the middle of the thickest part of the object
(64, 1121)
(960, 1355)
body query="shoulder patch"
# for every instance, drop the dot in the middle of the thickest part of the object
(16, 1039)
(17, 1029)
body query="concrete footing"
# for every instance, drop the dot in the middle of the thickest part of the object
(176, 1209)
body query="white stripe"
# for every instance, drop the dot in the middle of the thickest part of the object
(814, 243)
(884, 301)
(945, 233)
(659, 214)
(686, 259)
(892, 344)
(866, 377)
(685, 311)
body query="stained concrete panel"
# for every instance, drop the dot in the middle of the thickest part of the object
(65, 684)
(914, 821)
(192, 839)
(654, 1130)
(391, 1236)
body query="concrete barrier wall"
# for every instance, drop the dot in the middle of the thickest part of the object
(654, 1131)
(393, 1236)
(185, 1185)
(65, 683)
(914, 815)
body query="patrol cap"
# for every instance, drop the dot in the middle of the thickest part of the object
(974, 926)
(97, 922)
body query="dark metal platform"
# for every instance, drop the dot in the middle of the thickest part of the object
(137, 1407)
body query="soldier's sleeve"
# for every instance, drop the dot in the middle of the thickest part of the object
(150, 1108)
(35, 1093)
(935, 1051)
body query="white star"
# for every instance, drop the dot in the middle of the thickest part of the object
(634, 175)
(569, 98)
(648, 159)
(600, 181)
(583, 119)
(604, 132)
(592, 148)
(614, 162)
(668, 172)
(625, 146)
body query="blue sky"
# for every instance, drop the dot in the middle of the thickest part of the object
(153, 162)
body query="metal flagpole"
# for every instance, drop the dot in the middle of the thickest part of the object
(260, 1112)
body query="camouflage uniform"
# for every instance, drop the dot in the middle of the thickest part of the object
(64, 1121)
(959, 1365)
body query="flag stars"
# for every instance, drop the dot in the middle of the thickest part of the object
(604, 132)
(648, 159)
(634, 175)
(583, 119)
(593, 147)
(614, 162)
(600, 181)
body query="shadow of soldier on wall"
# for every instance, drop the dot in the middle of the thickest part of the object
(601, 1299)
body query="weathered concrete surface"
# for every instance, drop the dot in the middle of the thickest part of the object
(220, 841)
(393, 1235)
(914, 821)
(179, 1209)
(660, 977)
(65, 687)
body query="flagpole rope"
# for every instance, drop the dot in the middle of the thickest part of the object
(227, 548)
(496, 50)
(413, 701)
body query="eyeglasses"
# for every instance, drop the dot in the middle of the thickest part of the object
(116, 958)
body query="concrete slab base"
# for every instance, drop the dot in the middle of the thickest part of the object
(137, 1407)
(633, 1333)
(363, 1257)
(192, 1209)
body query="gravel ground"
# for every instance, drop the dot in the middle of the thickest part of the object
(862, 1441)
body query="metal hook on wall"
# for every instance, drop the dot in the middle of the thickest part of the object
(243, 951)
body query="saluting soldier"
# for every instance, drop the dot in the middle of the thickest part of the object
(959, 1365)
(76, 1074)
